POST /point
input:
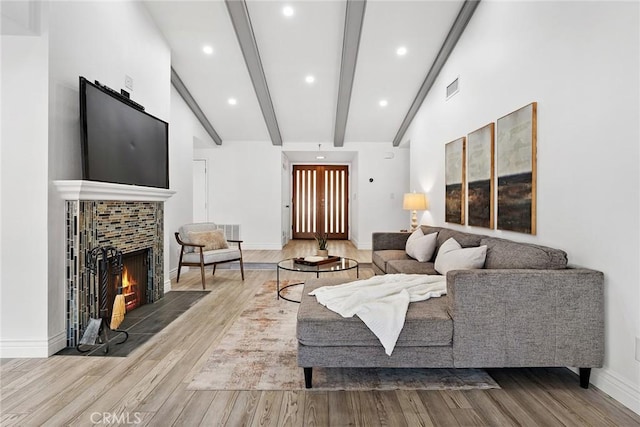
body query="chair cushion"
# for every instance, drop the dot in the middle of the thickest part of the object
(196, 227)
(218, 255)
(211, 240)
(427, 323)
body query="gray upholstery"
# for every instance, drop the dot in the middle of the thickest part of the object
(410, 266)
(503, 253)
(510, 318)
(382, 257)
(525, 309)
(425, 324)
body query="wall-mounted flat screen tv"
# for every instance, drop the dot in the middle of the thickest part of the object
(121, 143)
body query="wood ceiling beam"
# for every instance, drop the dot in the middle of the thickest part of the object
(244, 32)
(176, 81)
(350, 45)
(463, 18)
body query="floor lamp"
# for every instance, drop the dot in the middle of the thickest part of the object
(414, 202)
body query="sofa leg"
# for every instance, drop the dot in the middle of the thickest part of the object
(308, 372)
(585, 373)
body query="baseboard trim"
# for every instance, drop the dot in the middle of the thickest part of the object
(57, 342)
(18, 349)
(261, 247)
(617, 387)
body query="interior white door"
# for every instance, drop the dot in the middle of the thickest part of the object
(200, 213)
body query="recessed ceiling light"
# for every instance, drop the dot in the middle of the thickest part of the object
(207, 49)
(383, 103)
(401, 51)
(287, 11)
(310, 79)
(232, 101)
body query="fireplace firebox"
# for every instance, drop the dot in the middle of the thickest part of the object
(135, 280)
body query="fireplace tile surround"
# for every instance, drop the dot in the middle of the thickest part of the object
(129, 218)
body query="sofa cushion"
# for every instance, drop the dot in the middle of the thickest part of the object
(452, 256)
(506, 254)
(410, 266)
(427, 323)
(420, 246)
(466, 240)
(381, 258)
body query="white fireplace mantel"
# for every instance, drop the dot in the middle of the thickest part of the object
(94, 190)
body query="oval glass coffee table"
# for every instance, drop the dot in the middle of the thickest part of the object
(340, 264)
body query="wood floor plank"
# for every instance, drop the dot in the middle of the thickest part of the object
(172, 407)
(488, 410)
(413, 408)
(439, 411)
(389, 409)
(316, 408)
(292, 409)
(268, 409)
(341, 411)
(220, 409)
(195, 409)
(244, 408)
(366, 410)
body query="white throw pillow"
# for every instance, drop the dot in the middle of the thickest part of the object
(452, 256)
(421, 247)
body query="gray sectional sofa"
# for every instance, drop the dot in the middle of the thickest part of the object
(525, 308)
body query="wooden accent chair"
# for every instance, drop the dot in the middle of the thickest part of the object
(196, 255)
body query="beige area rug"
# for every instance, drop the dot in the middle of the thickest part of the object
(259, 352)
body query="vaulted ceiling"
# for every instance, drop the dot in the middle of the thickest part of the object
(308, 71)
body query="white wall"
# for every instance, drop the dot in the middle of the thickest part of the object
(580, 62)
(244, 188)
(379, 203)
(183, 128)
(41, 143)
(23, 178)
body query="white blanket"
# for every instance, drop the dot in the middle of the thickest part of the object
(381, 302)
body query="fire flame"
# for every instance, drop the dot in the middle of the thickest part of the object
(126, 279)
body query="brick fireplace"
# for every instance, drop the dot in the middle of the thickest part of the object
(129, 218)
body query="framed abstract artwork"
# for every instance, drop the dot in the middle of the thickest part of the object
(455, 181)
(516, 169)
(480, 177)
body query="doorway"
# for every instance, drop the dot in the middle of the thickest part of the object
(320, 201)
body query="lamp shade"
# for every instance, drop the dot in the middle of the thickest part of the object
(414, 202)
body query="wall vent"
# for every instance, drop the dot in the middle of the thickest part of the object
(231, 231)
(453, 87)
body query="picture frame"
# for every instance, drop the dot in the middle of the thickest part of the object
(481, 177)
(455, 173)
(516, 166)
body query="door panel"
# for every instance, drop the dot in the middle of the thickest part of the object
(320, 201)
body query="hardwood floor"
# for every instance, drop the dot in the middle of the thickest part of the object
(149, 387)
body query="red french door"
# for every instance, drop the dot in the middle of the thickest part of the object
(320, 201)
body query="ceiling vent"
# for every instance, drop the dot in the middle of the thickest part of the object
(453, 88)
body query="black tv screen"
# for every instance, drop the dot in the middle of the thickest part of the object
(120, 143)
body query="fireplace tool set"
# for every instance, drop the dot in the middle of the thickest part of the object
(101, 261)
